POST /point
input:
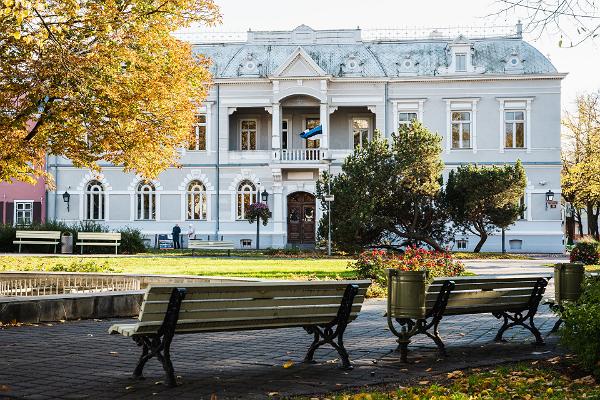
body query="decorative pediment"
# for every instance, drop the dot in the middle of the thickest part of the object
(352, 66)
(513, 64)
(461, 54)
(299, 64)
(407, 66)
(249, 67)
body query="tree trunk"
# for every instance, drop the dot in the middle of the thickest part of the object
(482, 238)
(579, 223)
(592, 219)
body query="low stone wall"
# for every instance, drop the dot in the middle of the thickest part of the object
(99, 305)
(37, 309)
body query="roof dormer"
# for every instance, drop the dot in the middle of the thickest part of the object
(460, 52)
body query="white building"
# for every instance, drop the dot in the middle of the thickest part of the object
(493, 99)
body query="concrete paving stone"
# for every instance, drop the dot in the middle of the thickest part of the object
(79, 360)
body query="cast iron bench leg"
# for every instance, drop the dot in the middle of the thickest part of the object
(159, 344)
(325, 334)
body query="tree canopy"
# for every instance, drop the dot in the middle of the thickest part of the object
(387, 193)
(98, 80)
(481, 199)
(581, 160)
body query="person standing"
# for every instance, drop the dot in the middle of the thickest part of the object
(176, 232)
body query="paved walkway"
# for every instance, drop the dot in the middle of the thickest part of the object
(79, 360)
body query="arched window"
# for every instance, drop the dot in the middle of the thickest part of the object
(246, 195)
(146, 201)
(196, 201)
(94, 201)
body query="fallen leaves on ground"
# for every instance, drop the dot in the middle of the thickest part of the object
(288, 364)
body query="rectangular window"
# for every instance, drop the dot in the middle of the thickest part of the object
(461, 62)
(522, 204)
(361, 131)
(197, 140)
(23, 213)
(248, 134)
(312, 123)
(514, 129)
(462, 244)
(405, 118)
(461, 129)
(284, 134)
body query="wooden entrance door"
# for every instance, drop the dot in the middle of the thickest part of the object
(301, 218)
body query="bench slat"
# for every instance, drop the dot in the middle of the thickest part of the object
(99, 235)
(34, 242)
(37, 234)
(317, 312)
(487, 308)
(152, 306)
(494, 294)
(98, 244)
(486, 286)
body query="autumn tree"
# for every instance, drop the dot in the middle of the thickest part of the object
(387, 193)
(481, 199)
(581, 161)
(574, 21)
(96, 80)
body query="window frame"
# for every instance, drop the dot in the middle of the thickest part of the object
(240, 198)
(461, 56)
(409, 121)
(514, 123)
(190, 199)
(248, 133)
(90, 201)
(461, 123)
(196, 132)
(16, 212)
(305, 125)
(285, 134)
(369, 129)
(152, 202)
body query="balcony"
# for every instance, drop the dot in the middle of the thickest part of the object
(298, 155)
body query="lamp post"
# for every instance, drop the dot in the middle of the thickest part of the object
(264, 197)
(67, 199)
(329, 200)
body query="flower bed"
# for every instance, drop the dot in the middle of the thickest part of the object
(372, 264)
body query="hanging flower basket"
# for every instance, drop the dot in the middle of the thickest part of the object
(258, 211)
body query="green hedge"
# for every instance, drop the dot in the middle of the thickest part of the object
(131, 239)
(586, 252)
(581, 329)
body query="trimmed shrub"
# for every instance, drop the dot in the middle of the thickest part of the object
(83, 266)
(586, 252)
(7, 235)
(581, 329)
(373, 264)
(132, 241)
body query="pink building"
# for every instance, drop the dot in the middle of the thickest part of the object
(22, 203)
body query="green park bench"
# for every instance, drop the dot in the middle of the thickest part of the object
(108, 239)
(322, 308)
(513, 298)
(37, 237)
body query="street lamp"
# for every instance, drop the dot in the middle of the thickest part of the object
(549, 197)
(264, 197)
(67, 199)
(329, 200)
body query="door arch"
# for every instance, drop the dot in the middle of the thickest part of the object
(301, 218)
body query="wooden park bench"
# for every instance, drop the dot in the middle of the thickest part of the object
(107, 239)
(322, 308)
(37, 237)
(195, 244)
(513, 298)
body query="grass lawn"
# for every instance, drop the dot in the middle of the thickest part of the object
(537, 380)
(260, 267)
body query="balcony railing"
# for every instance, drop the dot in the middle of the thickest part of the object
(298, 155)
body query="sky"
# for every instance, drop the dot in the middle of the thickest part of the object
(582, 63)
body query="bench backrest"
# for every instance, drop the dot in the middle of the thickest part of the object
(38, 235)
(485, 293)
(249, 305)
(210, 244)
(99, 235)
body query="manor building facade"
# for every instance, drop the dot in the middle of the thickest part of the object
(494, 100)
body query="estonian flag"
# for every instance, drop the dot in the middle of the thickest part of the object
(307, 134)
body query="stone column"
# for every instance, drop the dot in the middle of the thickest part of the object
(279, 217)
(324, 117)
(276, 127)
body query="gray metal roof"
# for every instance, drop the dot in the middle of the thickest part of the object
(332, 50)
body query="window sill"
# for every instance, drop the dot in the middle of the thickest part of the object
(461, 148)
(515, 148)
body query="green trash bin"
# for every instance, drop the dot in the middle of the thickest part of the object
(406, 293)
(568, 278)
